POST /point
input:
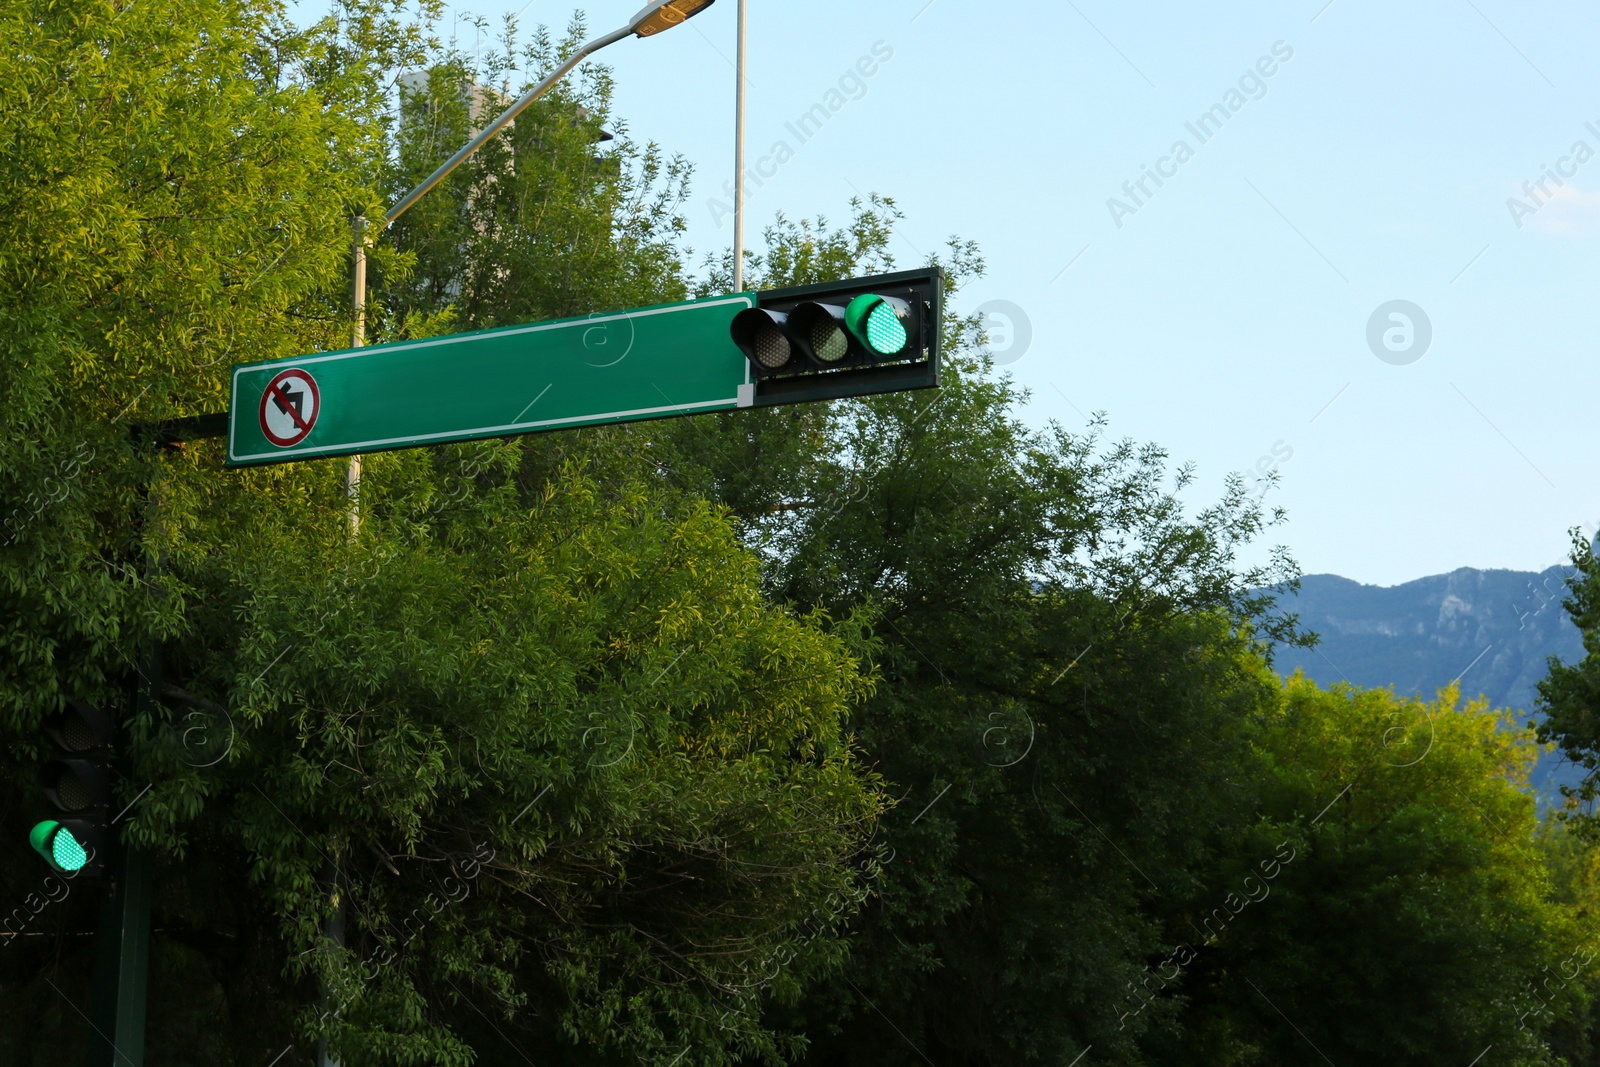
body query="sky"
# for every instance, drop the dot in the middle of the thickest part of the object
(1365, 260)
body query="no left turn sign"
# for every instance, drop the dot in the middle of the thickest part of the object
(289, 408)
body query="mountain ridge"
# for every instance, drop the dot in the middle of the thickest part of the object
(1491, 630)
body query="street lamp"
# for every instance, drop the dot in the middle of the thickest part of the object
(663, 16)
(654, 18)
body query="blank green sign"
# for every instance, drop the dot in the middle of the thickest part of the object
(646, 363)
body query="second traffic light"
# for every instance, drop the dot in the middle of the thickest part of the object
(841, 339)
(79, 788)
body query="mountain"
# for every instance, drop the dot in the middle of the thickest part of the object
(1493, 630)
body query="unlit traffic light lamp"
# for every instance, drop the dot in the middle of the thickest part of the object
(79, 787)
(81, 728)
(75, 785)
(763, 337)
(819, 328)
(842, 339)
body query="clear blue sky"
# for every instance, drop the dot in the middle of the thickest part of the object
(1226, 317)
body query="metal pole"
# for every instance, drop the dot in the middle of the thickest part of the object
(500, 123)
(122, 950)
(358, 337)
(738, 161)
(362, 237)
(334, 929)
(122, 962)
(358, 329)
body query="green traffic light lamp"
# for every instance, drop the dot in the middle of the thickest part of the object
(881, 323)
(69, 848)
(78, 787)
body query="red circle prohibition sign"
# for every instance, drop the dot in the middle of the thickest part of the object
(290, 405)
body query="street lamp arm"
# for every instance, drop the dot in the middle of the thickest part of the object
(500, 123)
(656, 17)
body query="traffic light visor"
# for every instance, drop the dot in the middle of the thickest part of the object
(881, 322)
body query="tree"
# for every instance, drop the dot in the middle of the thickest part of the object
(1567, 694)
(1568, 1017)
(1095, 760)
(540, 223)
(994, 559)
(576, 784)
(1067, 671)
(1073, 703)
(174, 196)
(1391, 903)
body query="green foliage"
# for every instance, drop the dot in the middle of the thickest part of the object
(1567, 696)
(462, 658)
(580, 783)
(592, 737)
(1391, 905)
(1568, 692)
(174, 192)
(1566, 1014)
(171, 200)
(1098, 770)
(1067, 674)
(541, 222)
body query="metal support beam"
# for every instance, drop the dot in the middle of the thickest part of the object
(738, 157)
(122, 964)
(122, 951)
(358, 339)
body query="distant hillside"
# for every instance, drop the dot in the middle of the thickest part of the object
(1493, 630)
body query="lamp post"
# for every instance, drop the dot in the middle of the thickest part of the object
(738, 158)
(654, 18)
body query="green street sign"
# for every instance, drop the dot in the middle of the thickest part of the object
(644, 363)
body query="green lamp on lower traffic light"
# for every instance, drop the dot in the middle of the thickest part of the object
(67, 847)
(78, 787)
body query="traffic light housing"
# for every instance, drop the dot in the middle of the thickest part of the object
(843, 339)
(78, 786)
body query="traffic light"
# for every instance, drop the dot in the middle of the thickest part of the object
(79, 788)
(841, 339)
